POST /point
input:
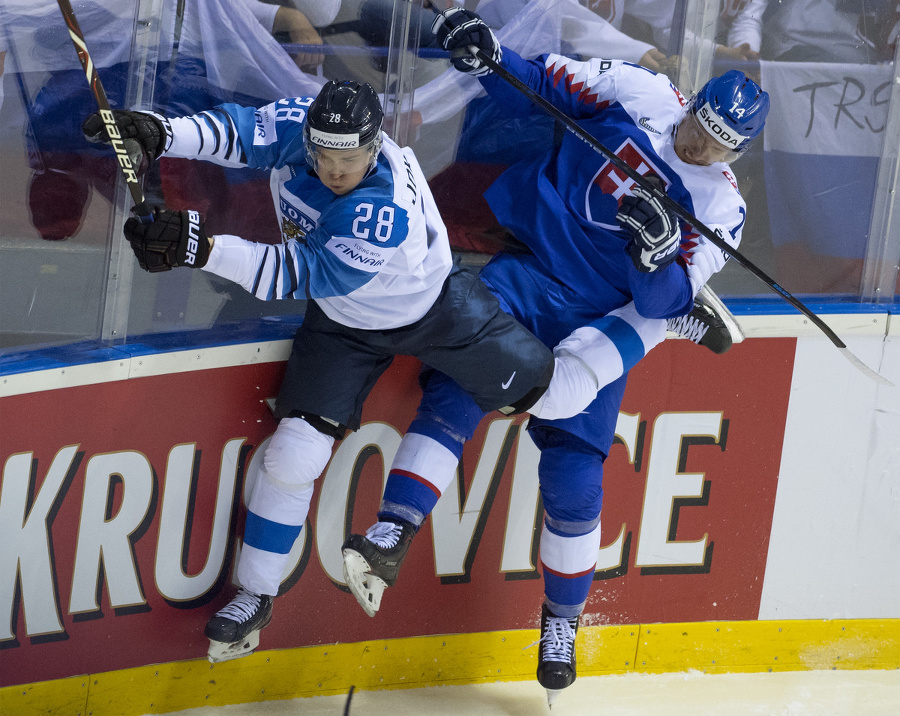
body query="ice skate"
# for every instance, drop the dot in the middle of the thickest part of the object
(709, 324)
(233, 631)
(556, 655)
(372, 562)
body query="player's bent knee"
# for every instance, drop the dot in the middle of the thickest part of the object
(297, 454)
(535, 396)
(573, 388)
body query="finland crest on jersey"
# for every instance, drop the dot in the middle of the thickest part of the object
(297, 218)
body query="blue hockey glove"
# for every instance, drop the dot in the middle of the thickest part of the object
(655, 236)
(457, 30)
(174, 238)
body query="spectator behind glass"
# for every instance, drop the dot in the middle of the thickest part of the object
(319, 12)
(855, 31)
(660, 22)
(295, 22)
(588, 29)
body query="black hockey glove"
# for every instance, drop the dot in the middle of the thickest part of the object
(457, 30)
(174, 238)
(655, 234)
(145, 134)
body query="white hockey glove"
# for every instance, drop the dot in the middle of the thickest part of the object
(655, 234)
(457, 30)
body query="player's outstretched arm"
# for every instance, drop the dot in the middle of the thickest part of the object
(475, 50)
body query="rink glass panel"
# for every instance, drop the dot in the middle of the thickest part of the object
(819, 186)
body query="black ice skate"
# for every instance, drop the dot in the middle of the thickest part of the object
(233, 631)
(371, 563)
(556, 655)
(709, 324)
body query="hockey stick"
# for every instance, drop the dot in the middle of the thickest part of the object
(677, 209)
(347, 702)
(129, 171)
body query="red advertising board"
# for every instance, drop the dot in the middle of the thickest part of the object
(121, 508)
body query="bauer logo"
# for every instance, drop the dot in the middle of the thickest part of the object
(722, 134)
(118, 144)
(333, 141)
(193, 242)
(665, 252)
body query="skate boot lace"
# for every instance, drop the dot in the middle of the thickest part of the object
(384, 534)
(691, 328)
(241, 608)
(558, 640)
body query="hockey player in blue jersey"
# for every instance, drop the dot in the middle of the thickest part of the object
(597, 244)
(363, 241)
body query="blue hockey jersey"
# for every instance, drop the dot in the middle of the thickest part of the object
(562, 204)
(375, 258)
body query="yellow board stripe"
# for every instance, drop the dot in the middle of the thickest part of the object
(712, 647)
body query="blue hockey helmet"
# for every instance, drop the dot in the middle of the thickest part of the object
(732, 108)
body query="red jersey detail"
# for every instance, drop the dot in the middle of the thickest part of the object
(688, 244)
(731, 179)
(558, 76)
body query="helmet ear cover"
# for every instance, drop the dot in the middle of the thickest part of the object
(732, 108)
(344, 115)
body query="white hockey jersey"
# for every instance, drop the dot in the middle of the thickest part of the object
(375, 258)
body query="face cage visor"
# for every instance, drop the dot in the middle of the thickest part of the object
(728, 144)
(313, 140)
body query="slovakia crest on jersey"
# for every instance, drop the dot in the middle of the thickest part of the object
(610, 184)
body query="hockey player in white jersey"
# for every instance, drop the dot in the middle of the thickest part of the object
(363, 241)
(597, 245)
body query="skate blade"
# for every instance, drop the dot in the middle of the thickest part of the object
(367, 588)
(734, 328)
(551, 696)
(220, 651)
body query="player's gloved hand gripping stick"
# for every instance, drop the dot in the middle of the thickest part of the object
(485, 60)
(175, 238)
(655, 235)
(110, 127)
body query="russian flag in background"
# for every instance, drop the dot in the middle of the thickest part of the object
(822, 142)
